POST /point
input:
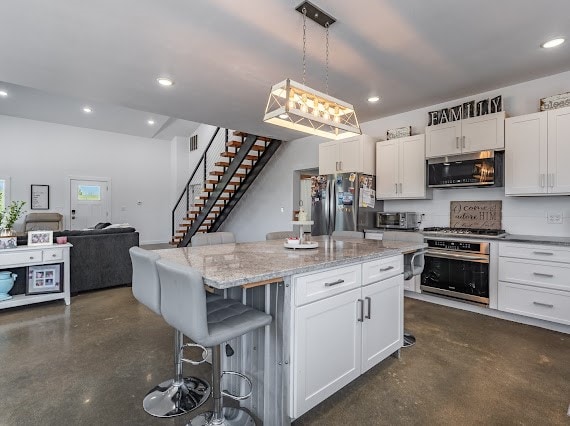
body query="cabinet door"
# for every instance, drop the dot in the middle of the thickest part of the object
(383, 326)
(443, 139)
(350, 155)
(327, 348)
(386, 170)
(559, 151)
(328, 158)
(526, 154)
(483, 133)
(412, 167)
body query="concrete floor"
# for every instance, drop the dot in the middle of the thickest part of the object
(91, 364)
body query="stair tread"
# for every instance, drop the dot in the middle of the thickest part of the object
(236, 144)
(244, 134)
(233, 154)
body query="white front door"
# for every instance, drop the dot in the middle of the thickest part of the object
(89, 203)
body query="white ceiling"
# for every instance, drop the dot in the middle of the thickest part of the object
(224, 54)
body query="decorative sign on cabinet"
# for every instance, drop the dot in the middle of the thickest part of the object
(486, 132)
(353, 155)
(537, 153)
(401, 168)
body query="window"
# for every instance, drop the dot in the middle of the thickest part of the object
(194, 143)
(88, 193)
(4, 192)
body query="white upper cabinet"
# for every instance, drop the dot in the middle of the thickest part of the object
(353, 155)
(486, 132)
(401, 168)
(537, 152)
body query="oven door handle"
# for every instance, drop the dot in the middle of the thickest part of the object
(464, 256)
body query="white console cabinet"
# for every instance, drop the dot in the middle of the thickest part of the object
(533, 281)
(346, 320)
(24, 256)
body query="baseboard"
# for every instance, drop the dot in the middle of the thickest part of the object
(451, 303)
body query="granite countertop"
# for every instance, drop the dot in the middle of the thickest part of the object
(537, 239)
(232, 265)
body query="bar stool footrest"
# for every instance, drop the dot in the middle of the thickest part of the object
(191, 361)
(243, 377)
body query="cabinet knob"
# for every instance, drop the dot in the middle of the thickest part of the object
(54, 255)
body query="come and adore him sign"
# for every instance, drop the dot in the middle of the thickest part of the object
(476, 214)
(466, 110)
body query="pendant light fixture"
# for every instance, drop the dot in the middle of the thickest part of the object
(298, 107)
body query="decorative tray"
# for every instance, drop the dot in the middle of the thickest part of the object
(311, 245)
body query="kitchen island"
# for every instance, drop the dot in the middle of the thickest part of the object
(337, 311)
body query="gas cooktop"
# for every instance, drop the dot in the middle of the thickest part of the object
(467, 232)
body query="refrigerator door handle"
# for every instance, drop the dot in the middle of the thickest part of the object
(333, 206)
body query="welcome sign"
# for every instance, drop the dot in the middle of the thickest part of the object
(466, 110)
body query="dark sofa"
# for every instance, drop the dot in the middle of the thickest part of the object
(99, 258)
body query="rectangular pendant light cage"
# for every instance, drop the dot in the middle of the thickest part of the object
(296, 106)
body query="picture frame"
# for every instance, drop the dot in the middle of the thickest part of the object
(8, 243)
(40, 238)
(39, 197)
(44, 279)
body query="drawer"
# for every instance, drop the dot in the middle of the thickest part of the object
(53, 255)
(313, 287)
(535, 252)
(21, 258)
(531, 272)
(378, 270)
(536, 302)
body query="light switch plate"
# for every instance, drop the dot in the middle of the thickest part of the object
(554, 218)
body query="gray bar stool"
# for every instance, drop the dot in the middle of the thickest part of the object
(413, 264)
(184, 306)
(180, 395)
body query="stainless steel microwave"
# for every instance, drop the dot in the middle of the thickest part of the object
(402, 220)
(483, 168)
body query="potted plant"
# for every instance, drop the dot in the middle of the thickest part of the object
(9, 216)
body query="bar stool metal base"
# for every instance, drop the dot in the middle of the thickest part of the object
(409, 340)
(169, 399)
(232, 417)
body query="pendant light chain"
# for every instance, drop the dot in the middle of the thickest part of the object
(327, 66)
(304, 44)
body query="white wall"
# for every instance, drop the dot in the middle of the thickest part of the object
(36, 152)
(259, 211)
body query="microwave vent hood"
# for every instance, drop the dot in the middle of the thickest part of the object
(479, 169)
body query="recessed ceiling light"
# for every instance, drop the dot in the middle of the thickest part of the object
(163, 81)
(87, 109)
(373, 99)
(283, 116)
(3, 93)
(150, 122)
(552, 43)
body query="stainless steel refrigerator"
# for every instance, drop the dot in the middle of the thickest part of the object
(343, 202)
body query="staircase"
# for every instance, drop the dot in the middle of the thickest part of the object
(225, 171)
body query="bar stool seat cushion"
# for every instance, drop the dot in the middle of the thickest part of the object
(228, 318)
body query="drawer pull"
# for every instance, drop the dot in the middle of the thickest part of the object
(334, 283)
(540, 274)
(361, 319)
(54, 255)
(31, 257)
(369, 300)
(386, 268)
(546, 305)
(544, 253)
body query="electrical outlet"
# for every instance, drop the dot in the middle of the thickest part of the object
(554, 218)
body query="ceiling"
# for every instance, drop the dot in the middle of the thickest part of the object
(224, 54)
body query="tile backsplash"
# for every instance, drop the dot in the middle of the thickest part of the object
(521, 215)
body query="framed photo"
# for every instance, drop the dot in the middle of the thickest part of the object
(40, 238)
(40, 197)
(44, 279)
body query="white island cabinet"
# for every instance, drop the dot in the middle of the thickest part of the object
(346, 320)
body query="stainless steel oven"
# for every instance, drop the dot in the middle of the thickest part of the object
(458, 269)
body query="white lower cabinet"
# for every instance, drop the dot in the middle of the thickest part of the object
(341, 336)
(382, 329)
(534, 281)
